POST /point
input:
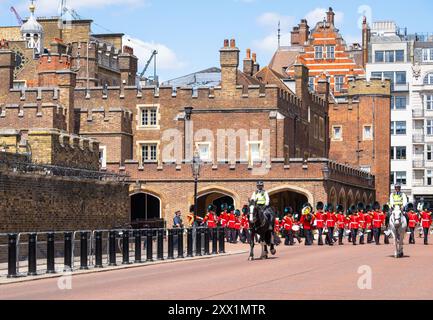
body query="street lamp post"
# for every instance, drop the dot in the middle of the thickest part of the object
(196, 165)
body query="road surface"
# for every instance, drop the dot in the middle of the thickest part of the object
(294, 273)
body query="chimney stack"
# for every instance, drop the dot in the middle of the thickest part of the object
(7, 66)
(248, 64)
(256, 66)
(365, 41)
(229, 58)
(301, 80)
(330, 16)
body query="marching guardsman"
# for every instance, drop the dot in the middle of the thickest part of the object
(237, 226)
(341, 223)
(245, 225)
(320, 220)
(210, 219)
(223, 215)
(287, 224)
(231, 221)
(378, 222)
(413, 222)
(362, 225)
(368, 218)
(426, 222)
(330, 222)
(307, 220)
(386, 216)
(353, 223)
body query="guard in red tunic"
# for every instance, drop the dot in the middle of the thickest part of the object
(319, 218)
(245, 225)
(426, 221)
(210, 218)
(330, 221)
(223, 216)
(307, 221)
(287, 225)
(340, 223)
(362, 225)
(353, 224)
(231, 222)
(237, 226)
(378, 222)
(368, 218)
(413, 222)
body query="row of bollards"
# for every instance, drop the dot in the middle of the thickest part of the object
(215, 235)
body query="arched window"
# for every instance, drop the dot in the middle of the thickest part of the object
(428, 78)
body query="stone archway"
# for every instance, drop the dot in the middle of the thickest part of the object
(216, 196)
(292, 196)
(145, 206)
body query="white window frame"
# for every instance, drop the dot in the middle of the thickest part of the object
(209, 144)
(429, 127)
(250, 156)
(333, 133)
(141, 144)
(428, 101)
(427, 55)
(394, 99)
(330, 54)
(147, 107)
(396, 176)
(338, 86)
(318, 52)
(364, 136)
(103, 162)
(429, 178)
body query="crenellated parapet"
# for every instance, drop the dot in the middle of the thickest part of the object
(55, 147)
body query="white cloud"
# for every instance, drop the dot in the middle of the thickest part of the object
(166, 58)
(52, 7)
(270, 20)
(319, 14)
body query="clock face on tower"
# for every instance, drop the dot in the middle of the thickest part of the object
(20, 61)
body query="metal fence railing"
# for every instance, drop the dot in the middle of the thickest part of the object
(32, 254)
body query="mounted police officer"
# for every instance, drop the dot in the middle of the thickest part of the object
(398, 198)
(261, 197)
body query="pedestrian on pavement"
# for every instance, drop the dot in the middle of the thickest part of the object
(177, 220)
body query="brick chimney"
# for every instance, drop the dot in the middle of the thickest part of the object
(301, 80)
(248, 64)
(304, 32)
(128, 65)
(229, 58)
(256, 66)
(330, 16)
(7, 65)
(322, 88)
(295, 36)
(67, 82)
(365, 41)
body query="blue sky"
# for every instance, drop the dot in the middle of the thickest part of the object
(189, 33)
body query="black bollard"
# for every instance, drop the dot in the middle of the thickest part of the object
(189, 244)
(170, 245)
(180, 243)
(68, 252)
(149, 245)
(214, 241)
(206, 241)
(50, 253)
(112, 249)
(125, 247)
(222, 240)
(198, 232)
(160, 253)
(32, 255)
(12, 255)
(98, 249)
(83, 251)
(137, 239)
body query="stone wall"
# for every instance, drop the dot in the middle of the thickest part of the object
(30, 202)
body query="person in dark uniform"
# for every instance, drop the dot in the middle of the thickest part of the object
(386, 212)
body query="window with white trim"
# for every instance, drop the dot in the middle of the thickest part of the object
(311, 83)
(398, 153)
(398, 127)
(399, 102)
(401, 177)
(429, 152)
(337, 133)
(427, 55)
(429, 127)
(428, 79)
(429, 177)
(149, 152)
(429, 102)
(318, 52)
(339, 82)
(148, 117)
(367, 133)
(204, 150)
(330, 52)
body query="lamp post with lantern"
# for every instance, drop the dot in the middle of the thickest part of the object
(196, 166)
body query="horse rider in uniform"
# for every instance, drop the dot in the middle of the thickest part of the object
(261, 197)
(398, 198)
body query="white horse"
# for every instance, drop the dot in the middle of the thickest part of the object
(398, 226)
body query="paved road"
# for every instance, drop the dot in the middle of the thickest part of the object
(294, 273)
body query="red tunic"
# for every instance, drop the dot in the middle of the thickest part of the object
(231, 221)
(341, 220)
(354, 222)
(426, 219)
(244, 222)
(308, 225)
(237, 223)
(378, 219)
(320, 219)
(210, 219)
(331, 219)
(368, 221)
(223, 219)
(287, 223)
(361, 220)
(413, 219)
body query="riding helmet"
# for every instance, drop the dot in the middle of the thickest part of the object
(260, 184)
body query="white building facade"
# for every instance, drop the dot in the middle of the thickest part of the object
(400, 57)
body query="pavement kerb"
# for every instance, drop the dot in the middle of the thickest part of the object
(6, 281)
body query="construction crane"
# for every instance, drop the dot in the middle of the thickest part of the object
(20, 21)
(152, 57)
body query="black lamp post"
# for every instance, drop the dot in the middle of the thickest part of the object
(196, 164)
